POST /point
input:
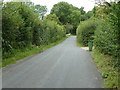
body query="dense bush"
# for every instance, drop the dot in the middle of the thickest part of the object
(106, 27)
(107, 35)
(85, 31)
(51, 31)
(23, 28)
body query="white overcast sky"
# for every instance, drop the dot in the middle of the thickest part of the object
(87, 4)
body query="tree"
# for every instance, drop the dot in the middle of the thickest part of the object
(37, 40)
(67, 13)
(41, 10)
(11, 23)
(53, 17)
(23, 28)
(75, 17)
(88, 15)
(82, 10)
(108, 32)
(62, 11)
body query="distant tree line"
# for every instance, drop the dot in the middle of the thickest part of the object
(70, 16)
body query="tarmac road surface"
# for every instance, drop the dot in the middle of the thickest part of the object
(62, 66)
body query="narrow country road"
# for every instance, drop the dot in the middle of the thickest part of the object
(62, 66)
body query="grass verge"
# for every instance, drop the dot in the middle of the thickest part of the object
(105, 64)
(29, 52)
